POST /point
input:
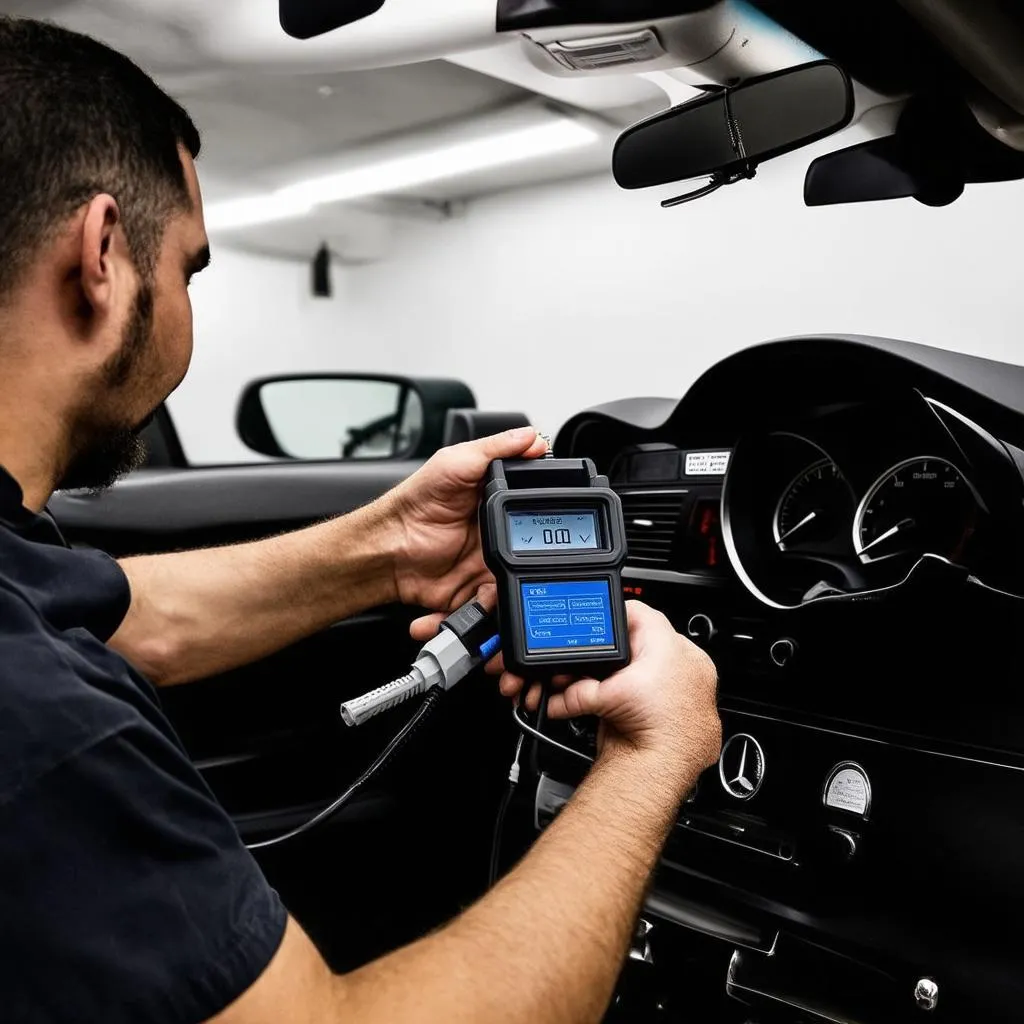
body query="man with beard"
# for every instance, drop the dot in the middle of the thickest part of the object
(125, 892)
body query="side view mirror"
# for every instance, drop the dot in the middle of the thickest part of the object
(726, 134)
(348, 416)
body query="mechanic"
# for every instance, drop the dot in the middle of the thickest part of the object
(125, 891)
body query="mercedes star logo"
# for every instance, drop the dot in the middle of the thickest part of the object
(741, 766)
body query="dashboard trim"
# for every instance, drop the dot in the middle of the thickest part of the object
(637, 572)
(645, 491)
(733, 552)
(735, 990)
(687, 824)
(993, 442)
(910, 748)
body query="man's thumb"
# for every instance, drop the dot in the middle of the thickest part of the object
(584, 697)
(509, 443)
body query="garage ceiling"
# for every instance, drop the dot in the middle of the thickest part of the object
(260, 122)
(257, 121)
(263, 121)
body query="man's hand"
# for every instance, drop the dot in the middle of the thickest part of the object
(563, 928)
(438, 561)
(662, 703)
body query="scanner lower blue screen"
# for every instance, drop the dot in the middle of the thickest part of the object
(567, 616)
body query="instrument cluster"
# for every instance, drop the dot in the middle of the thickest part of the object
(851, 498)
(922, 505)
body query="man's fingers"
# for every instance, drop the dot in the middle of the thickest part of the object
(425, 627)
(487, 595)
(496, 666)
(581, 698)
(641, 618)
(510, 685)
(532, 701)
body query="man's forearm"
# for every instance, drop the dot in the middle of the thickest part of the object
(196, 613)
(563, 917)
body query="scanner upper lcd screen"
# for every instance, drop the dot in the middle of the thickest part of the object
(553, 532)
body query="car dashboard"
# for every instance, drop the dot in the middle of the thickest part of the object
(838, 522)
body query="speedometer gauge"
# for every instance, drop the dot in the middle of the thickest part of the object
(921, 506)
(815, 509)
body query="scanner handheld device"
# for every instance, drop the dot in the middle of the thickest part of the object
(553, 536)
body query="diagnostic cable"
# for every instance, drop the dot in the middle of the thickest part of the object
(553, 535)
(466, 639)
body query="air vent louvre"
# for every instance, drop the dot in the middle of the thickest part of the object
(652, 523)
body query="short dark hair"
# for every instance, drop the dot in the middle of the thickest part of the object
(78, 119)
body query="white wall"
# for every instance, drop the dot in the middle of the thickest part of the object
(255, 317)
(552, 299)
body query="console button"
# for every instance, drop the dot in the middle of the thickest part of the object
(783, 651)
(926, 994)
(701, 628)
(848, 789)
(843, 844)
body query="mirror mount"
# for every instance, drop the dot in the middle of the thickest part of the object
(719, 179)
(722, 176)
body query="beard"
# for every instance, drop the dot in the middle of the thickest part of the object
(107, 451)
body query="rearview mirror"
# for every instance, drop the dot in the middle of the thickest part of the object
(727, 134)
(348, 416)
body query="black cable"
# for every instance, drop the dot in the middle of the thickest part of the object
(499, 825)
(410, 727)
(538, 731)
(530, 730)
(499, 821)
(542, 706)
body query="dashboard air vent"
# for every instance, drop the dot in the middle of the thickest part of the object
(652, 522)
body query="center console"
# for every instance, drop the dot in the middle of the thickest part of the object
(818, 871)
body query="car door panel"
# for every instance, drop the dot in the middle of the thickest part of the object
(157, 510)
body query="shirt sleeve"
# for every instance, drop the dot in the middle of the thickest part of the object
(126, 893)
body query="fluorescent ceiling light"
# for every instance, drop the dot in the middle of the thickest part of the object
(499, 149)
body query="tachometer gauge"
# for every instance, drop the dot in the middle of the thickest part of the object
(921, 506)
(815, 509)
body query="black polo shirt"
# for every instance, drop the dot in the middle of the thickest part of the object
(125, 891)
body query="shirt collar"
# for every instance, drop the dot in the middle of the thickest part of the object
(12, 499)
(24, 521)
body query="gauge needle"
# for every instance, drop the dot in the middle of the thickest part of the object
(810, 517)
(891, 532)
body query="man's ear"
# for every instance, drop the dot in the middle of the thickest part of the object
(98, 268)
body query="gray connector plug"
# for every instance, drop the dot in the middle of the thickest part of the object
(443, 661)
